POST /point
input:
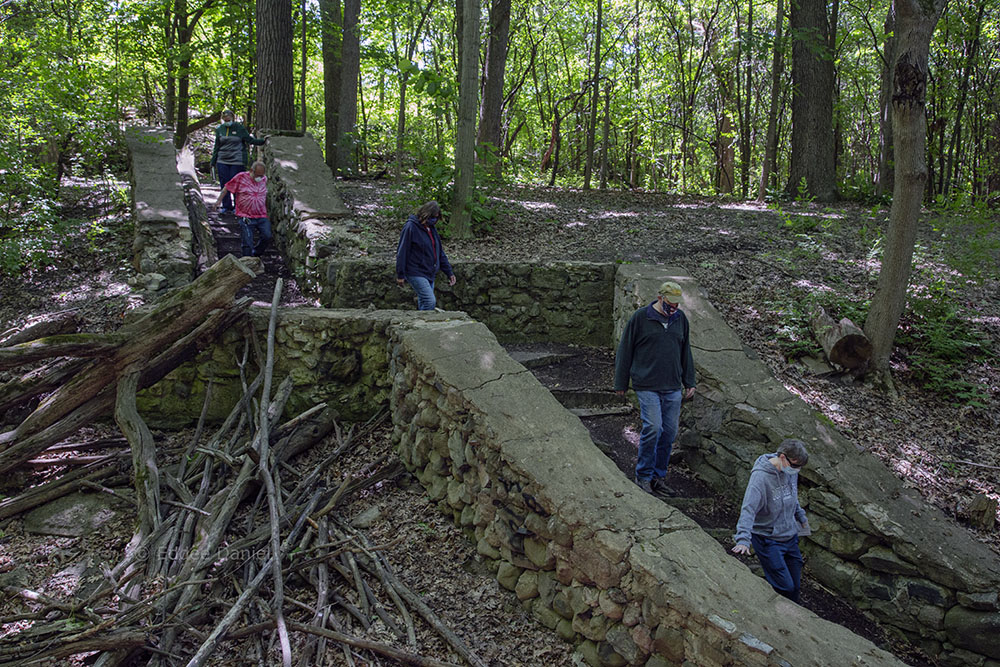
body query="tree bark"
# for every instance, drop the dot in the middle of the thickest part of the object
(275, 85)
(491, 111)
(350, 67)
(777, 70)
(465, 140)
(812, 102)
(915, 23)
(886, 173)
(843, 342)
(595, 92)
(330, 32)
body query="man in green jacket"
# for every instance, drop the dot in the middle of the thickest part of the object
(655, 355)
(230, 154)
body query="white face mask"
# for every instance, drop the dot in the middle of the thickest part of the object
(258, 178)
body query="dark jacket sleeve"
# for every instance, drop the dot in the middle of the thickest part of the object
(687, 359)
(623, 357)
(215, 148)
(442, 258)
(402, 249)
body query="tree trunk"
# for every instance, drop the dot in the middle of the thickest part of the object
(605, 132)
(465, 139)
(490, 113)
(771, 140)
(950, 175)
(275, 89)
(886, 171)
(726, 155)
(843, 342)
(915, 23)
(350, 66)
(595, 91)
(812, 102)
(332, 83)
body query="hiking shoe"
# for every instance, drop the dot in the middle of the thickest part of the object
(645, 485)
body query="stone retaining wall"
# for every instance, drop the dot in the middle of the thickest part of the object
(162, 249)
(627, 578)
(309, 218)
(561, 301)
(875, 542)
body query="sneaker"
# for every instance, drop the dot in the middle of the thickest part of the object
(645, 485)
(658, 484)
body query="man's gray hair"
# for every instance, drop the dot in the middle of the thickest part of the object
(794, 450)
(253, 167)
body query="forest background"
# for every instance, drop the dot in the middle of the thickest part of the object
(788, 104)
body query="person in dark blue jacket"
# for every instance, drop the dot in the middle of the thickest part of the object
(419, 255)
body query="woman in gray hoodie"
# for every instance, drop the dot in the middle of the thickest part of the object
(771, 519)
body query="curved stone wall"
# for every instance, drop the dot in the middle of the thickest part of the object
(309, 218)
(519, 301)
(162, 249)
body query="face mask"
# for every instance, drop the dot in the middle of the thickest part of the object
(258, 178)
(431, 222)
(228, 123)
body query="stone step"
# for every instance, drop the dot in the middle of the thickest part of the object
(602, 411)
(591, 398)
(532, 359)
(686, 503)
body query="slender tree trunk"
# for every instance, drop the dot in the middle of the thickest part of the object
(606, 130)
(915, 23)
(595, 92)
(491, 112)
(886, 169)
(350, 70)
(812, 101)
(304, 62)
(745, 127)
(465, 140)
(275, 90)
(332, 83)
(950, 174)
(777, 70)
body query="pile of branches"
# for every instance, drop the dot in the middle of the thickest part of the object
(200, 571)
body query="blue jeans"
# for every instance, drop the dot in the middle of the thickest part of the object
(660, 412)
(782, 563)
(425, 292)
(247, 227)
(226, 173)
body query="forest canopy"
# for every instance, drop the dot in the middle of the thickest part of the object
(670, 97)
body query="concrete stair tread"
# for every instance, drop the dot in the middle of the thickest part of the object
(532, 359)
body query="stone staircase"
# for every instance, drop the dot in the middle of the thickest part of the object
(614, 424)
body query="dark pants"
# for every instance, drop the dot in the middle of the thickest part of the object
(226, 173)
(247, 226)
(782, 563)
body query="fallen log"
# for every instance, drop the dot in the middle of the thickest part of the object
(179, 313)
(40, 326)
(24, 448)
(843, 343)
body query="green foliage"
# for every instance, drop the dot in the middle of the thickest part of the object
(939, 345)
(969, 235)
